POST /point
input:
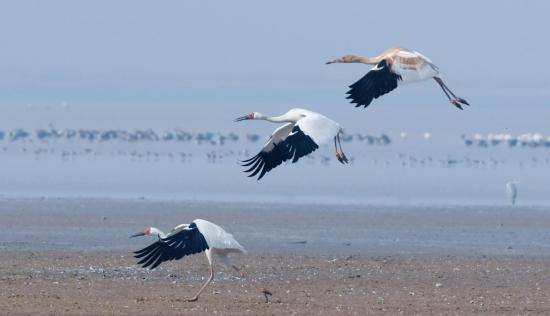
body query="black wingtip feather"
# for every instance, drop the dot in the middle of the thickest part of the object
(256, 164)
(144, 251)
(295, 146)
(248, 162)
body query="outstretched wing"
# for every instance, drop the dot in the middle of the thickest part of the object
(287, 142)
(377, 82)
(299, 144)
(185, 242)
(272, 154)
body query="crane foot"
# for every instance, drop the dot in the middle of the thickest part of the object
(266, 293)
(456, 103)
(461, 100)
(342, 158)
(339, 157)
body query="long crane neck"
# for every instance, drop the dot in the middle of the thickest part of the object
(365, 60)
(280, 119)
(358, 59)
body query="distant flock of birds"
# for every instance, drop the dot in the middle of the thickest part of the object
(150, 135)
(137, 135)
(531, 140)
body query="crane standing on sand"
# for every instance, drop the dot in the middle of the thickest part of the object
(394, 66)
(302, 134)
(189, 239)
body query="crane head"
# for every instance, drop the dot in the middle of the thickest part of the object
(149, 231)
(145, 232)
(249, 116)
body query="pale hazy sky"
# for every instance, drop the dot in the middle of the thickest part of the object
(266, 54)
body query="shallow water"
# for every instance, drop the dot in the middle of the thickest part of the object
(322, 229)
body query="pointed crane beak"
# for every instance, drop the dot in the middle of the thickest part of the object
(241, 118)
(138, 234)
(332, 62)
(249, 116)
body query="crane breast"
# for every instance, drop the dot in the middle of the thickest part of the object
(413, 73)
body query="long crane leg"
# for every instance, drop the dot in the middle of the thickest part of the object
(265, 292)
(343, 156)
(196, 297)
(456, 101)
(338, 156)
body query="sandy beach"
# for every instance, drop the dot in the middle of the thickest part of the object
(73, 256)
(77, 283)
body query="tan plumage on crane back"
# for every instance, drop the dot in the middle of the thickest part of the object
(394, 66)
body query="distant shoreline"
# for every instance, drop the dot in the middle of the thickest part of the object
(99, 224)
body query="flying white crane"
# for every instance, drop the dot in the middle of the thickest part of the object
(394, 66)
(189, 239)
(302, 134)
(512, 191)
